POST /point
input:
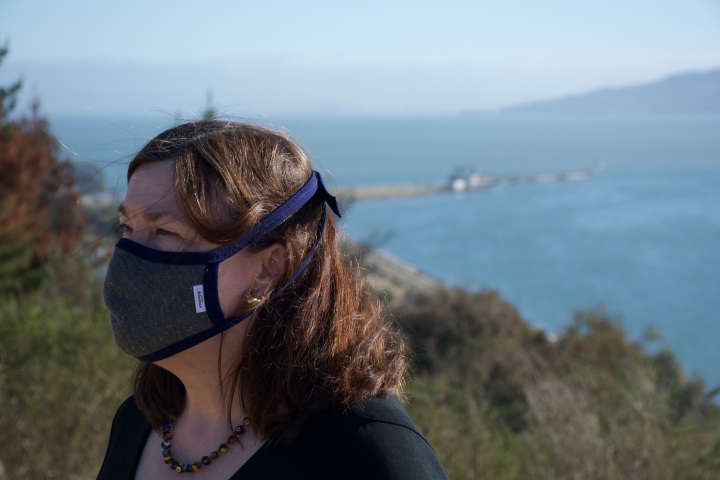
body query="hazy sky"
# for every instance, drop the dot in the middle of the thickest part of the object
(334, 57)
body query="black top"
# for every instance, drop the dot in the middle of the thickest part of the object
(376, 439)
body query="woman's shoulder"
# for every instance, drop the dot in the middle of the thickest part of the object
(128, 420)
(377, 417)
(384, 410)
(374, 439)
(128, 410)
(127, 436)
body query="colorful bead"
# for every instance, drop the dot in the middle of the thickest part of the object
(194, 467)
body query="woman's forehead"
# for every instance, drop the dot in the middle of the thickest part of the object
(151, 186)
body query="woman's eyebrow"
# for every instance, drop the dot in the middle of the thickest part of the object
(150, 214)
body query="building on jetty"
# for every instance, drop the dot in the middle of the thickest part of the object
(470, 179)
(474, 180)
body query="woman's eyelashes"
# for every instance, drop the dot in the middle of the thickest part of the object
(126, 230)
(161, 232)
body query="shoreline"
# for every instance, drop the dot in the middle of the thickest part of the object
(461, 182)
(387, 274)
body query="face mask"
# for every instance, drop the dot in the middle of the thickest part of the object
(162, 303)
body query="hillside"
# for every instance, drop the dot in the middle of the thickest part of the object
(684, 93)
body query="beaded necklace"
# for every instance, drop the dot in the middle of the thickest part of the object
(195, 466)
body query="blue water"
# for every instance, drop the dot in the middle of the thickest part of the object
(642, 238)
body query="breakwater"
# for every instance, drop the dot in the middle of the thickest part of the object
(460, 182)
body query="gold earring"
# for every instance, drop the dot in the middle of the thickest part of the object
(251, 299)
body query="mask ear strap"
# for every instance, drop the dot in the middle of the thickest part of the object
(301, 268)
(303, 265)
(330, 201)
(314, 185)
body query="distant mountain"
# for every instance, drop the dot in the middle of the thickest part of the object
(685, 93)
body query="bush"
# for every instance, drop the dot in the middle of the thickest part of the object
(498, 399)
(61, 380)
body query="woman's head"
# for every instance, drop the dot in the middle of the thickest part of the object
(319, 345)
(219, 179)
(227, 176)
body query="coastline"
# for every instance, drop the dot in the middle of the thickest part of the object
(390, 277)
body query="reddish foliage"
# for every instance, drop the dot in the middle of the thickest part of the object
(38, 200)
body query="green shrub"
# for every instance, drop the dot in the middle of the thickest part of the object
(61, 380)
(498, 399)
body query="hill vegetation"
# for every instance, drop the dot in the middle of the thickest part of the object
(498, 399)
(495, 397)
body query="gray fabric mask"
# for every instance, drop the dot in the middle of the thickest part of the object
(162, 303)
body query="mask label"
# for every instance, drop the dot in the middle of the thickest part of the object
(199, 299)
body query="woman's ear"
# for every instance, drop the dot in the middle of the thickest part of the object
(274, 260)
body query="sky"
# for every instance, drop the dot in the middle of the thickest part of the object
(344, 58)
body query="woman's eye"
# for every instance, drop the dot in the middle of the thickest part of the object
(124, 228)
(163, 232)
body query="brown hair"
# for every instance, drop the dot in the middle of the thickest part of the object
(322, 344)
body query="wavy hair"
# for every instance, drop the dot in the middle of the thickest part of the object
(321, 345)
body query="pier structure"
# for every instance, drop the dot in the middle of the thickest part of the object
(472, 181)
(382, 192)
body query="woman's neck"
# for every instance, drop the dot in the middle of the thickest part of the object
(202, 370)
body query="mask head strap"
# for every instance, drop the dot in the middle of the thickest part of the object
(312, 188)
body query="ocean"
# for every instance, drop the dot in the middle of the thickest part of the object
(641, 238)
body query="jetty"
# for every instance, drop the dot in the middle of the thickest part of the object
(388, 275)
(462, 181)
(382, 192)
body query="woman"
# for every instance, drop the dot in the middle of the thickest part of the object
(261, 354)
